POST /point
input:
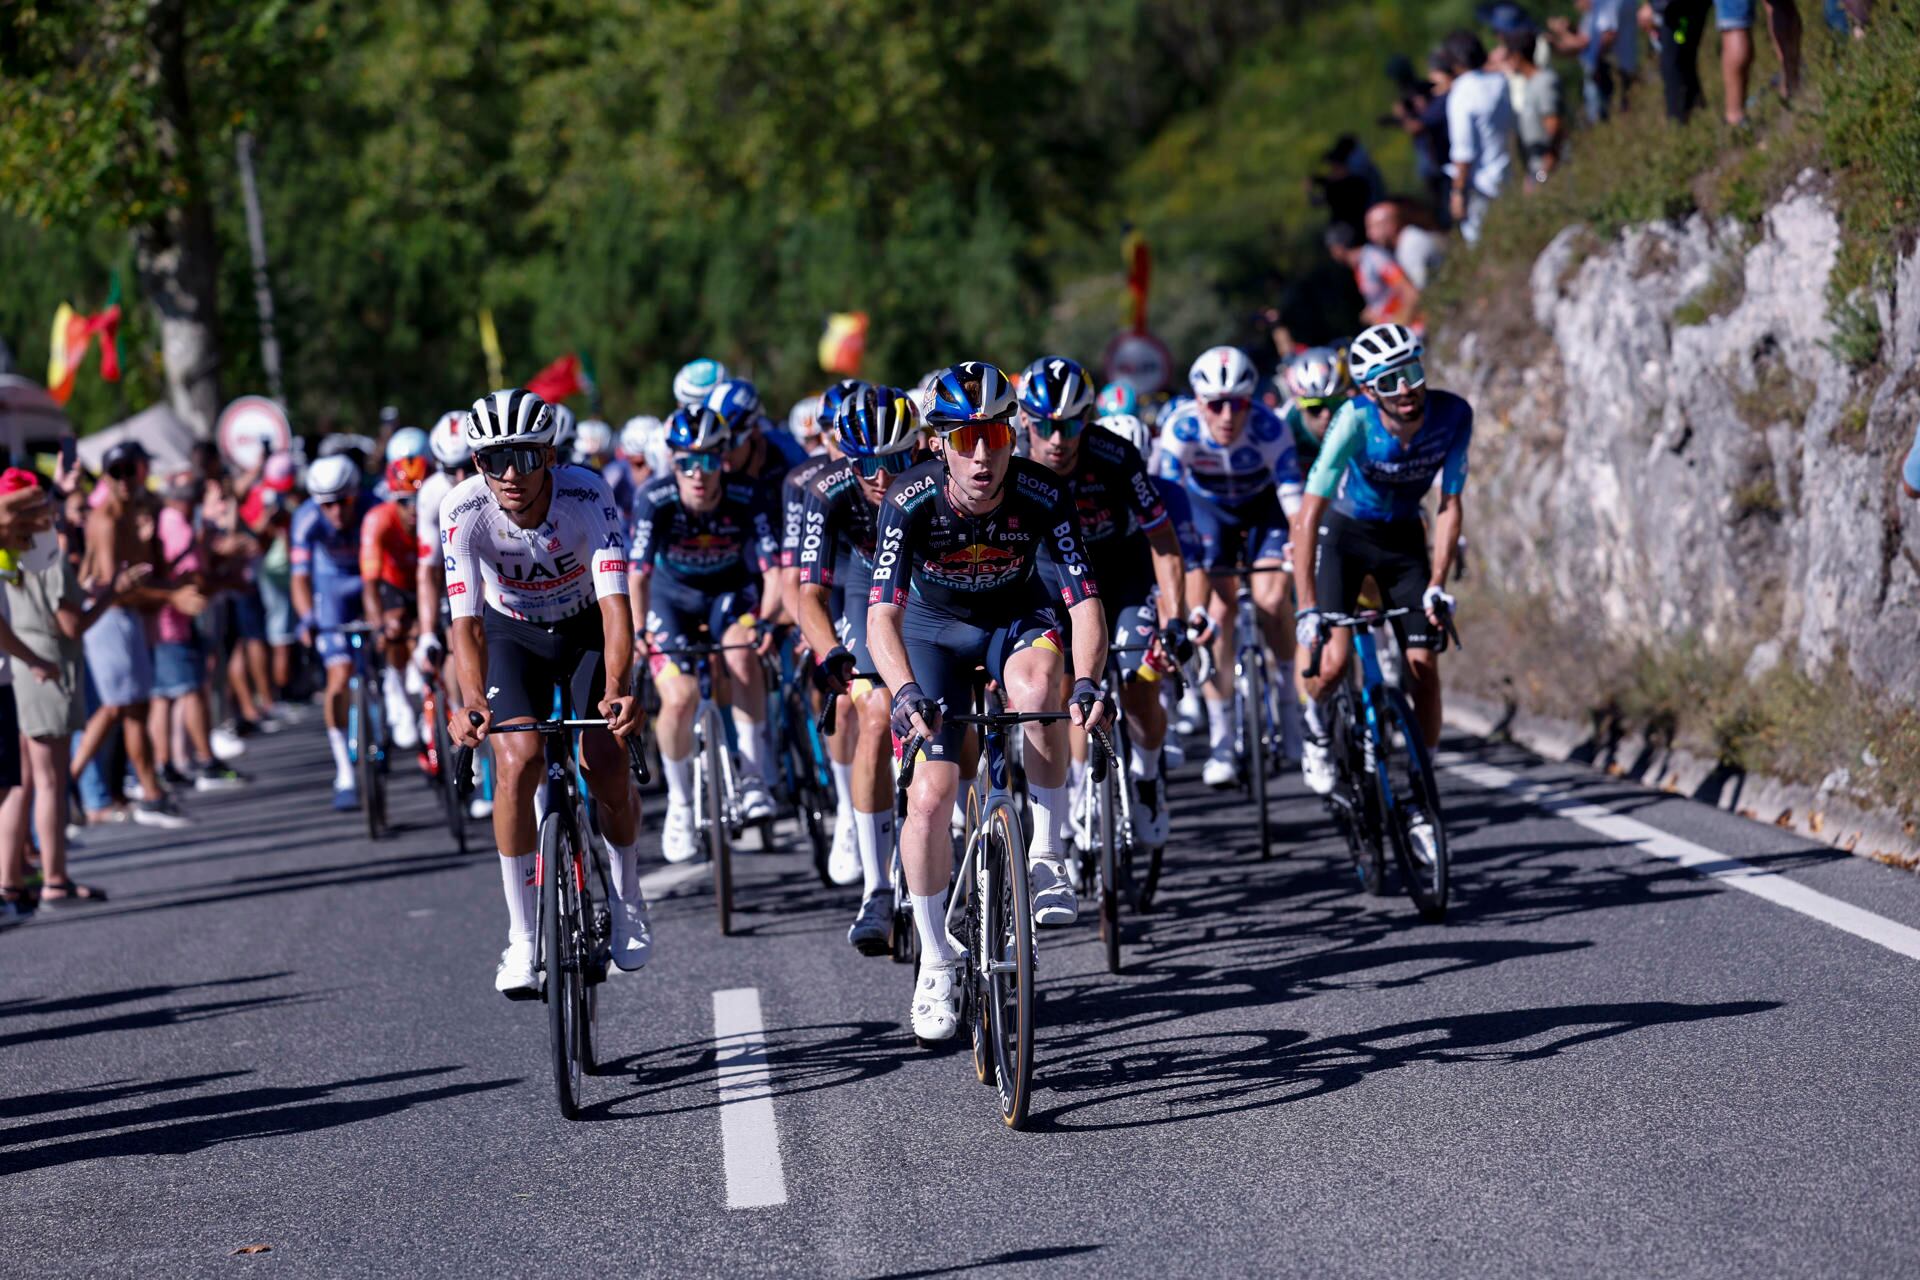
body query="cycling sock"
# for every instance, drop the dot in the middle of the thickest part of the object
(748, 733)
(391, 684)
(1219, 723)
(679, 779)
(516, 878)
(874, 833)
(342, 760)
(842, 786)
(1146, 762)
(960, 808)
(626, 871)
(930, 919)
(1050, 817)
(1315, 716)
(1076, 776)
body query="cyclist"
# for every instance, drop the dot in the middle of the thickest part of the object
(1124, 530)
(565, 427)
(640, 446)
(806, 426)
(454, 462)
(593, 449)
(323, 547)
(696, 381)
(1380, 458)
(1236, 459)
(959, 544)
(1116, 398)
(537, 584)
(1316, 382)
(390, 585)
(697, 539)
(878, 429)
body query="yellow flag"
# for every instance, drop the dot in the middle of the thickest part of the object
(490, 344)
(844, 344)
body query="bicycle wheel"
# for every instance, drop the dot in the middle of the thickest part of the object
(366, 754)
(708, 772)
(1358, 802)
(559, 911)
(1007, 933)
(1408, 790)
(1253, 739)
(597, 947)
(448, 782)
(1107, 879)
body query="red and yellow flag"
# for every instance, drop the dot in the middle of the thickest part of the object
(73, 332)
(844, 344)
(1133, 251)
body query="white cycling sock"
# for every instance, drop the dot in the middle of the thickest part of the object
(516, 879)
(960, 808)
(1314, 712)
(626, 871)
(874, 834)
(930, 918)
(1146, 762)
(679, 780)
(393, 686)
(1076, 775)
(1219, 723)
(748, 733)
(842, 789)
(342, 759)
(1050, 816)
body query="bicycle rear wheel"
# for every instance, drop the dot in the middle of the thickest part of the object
(1007, 935)
(1355, 802)
(708, 782)
(367, 753)
(1408, 790)
(564, 988)
(1253, 740)
(1107, 877)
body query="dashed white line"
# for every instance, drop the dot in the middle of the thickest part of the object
(1730, 871)
(749, 1138)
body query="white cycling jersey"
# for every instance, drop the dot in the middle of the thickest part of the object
(576, 556)
(426, 511)
(1260, 461)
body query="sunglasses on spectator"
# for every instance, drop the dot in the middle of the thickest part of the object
(885, 463)
(1048, 428)
(688, 464)
(1405, 377)
(522, 459)
(1231, 404)
(997, 432)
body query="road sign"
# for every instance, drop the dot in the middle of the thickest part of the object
(251, 428)
(1140, 360)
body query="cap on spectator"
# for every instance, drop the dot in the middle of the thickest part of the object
(277, 475)
(181, 486)
(125, 451)
(1507, 19)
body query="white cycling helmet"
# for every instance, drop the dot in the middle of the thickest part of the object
(696, 381)
(1316, 374)
(1384, 346)
(448, 440)
(512, 416)
(803, 420)
(638, 436)
(1222, 373)
(407, 442)
(331, 477)
(1129, 428)
(592, 438)
(563, 428)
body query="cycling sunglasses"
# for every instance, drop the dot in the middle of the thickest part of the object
(1403, 377)
(965, 438)
(522, 459)
(688, 464)
(1232, 404)
(1048, 428)
(889, 463)
(1315, 404)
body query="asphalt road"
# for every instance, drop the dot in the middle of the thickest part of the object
(1604, 1062)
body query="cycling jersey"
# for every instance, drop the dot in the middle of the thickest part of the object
(329, 556)
(389, 549)
(620, 482)
(710, 551)
(763, 487)
(793, 502)
(1306, 445)
(1118, 506)
(1370, 475)
(838, 541)
(977, 567)
(1260, 459)
(426, 511)
(573, 558)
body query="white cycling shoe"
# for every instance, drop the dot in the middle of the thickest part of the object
(755, 804)
(1220, 770)
(1420, 834)
(515, 978)
(1173, 753)
(1054, 901)
(676, 835)
(843, 862)
(935, 1014)
(1316, 766)
(632, 934)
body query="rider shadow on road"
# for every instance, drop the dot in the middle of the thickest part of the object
(680, 1078)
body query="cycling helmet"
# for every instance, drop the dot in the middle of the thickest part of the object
(407, 442)
(1116, 397)
(1222, 373)
(404, 475)
(1129, 428)
(696, 381)
(803, 420)
(1384, 346)
(448, 440)
(928, 379)
(1057, 388)
(639, 435)
(592, 438)
(333, 476)
(971, 391)
(563, 429)
(696, 431)
(876, 420)
(513, 416)
(737, 402)
(833, 396)
(1316, 374)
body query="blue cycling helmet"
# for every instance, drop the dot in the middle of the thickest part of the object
(696, 381)
(876, 420)
(1057, 388)
(696, 431)
(971, 391)
(1116, 398)
(833, 397)
(737, 402)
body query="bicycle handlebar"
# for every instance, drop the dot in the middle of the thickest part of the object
(1449, 634)
(463, 755)
(828, 718)
(909, 755)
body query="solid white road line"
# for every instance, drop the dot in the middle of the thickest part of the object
(748, 1136)
(657, 883)
(1730, 871)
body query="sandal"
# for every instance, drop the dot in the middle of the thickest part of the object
(57, 893)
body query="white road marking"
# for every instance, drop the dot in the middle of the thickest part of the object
(748, 1135)
(659, 882)
(1730, 871)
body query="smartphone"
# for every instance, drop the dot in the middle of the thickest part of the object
(69, 450)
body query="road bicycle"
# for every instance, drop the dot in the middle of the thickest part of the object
(1258, 690)
(991, 908)
(717, 818)
(367, 727)
(441, 774)
(803, 779)
(1384, 776)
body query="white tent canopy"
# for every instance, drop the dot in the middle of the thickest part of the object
(28, 416)
(159, 430)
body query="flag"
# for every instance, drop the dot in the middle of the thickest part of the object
(592, 379)
(844, 344)
(73, 332)
(490, 347)
(558, 380)
(1133, 251)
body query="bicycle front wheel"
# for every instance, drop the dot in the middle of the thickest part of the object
(1107, 877)
(1253, 740)
(1356, 800)
(1410, 803)
(366, 749)
(449, 781)
(559, 943)
(710, 779)
(1007, 940)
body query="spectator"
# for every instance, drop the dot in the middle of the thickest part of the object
(15, 903)
(23, 513)
(1679, 28)
(1421, 113)
(1608, 47)
(239, 549)
(1538, 110)
(1736, 50)
(1415, 248)
(180, 651)
(268, 513)
(1388, 295)
(1480, 129)
(1849, 16)
(1344, 193)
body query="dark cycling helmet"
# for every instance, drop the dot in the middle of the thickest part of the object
(696, 431)
(1057, 388)
(737, 402)
(876, 420)
(833, 396)
(971, 391)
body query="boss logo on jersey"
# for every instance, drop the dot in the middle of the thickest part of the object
(811, 539)
(1069, 551)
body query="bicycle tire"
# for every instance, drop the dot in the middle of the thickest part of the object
(1008, 931)
(1107, 878)
(366, 756)
(450, 801)
(559, 963)
(718, 850)
(1427, 886)
(1364, 840)
(1254, 743)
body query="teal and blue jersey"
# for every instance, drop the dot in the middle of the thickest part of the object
(1370, 474)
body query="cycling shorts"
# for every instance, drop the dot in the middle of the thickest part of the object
(393, 598)
(1132, 619)
(943, 650)
(526, 659)
(330, 612)
(1391, 552)
(1246, 534)
(850, 622)
(679, 615)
